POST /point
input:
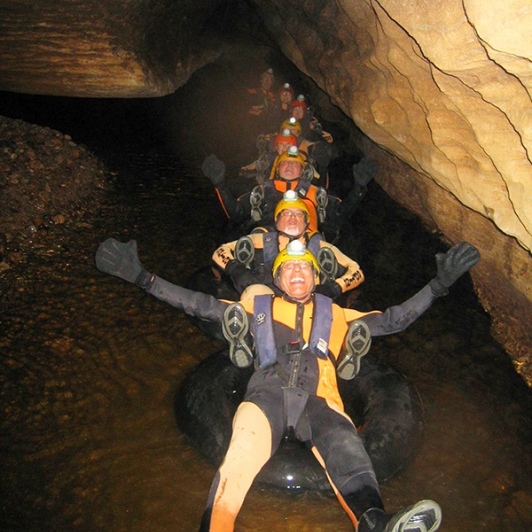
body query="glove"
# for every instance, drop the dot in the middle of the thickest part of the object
(451, 265)
(241, 276)
(122, 260)
(364, 171)
(214, 169)
(321, 153)
(329, 288)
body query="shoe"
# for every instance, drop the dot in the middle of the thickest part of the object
(244, 251)
(322, 199)
(424, 516)
(235, 327)
(255, 199)
(328, 263)
(308, 173)
(357, 344)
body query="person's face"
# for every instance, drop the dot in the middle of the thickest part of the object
(294, 131)
(290, 170)
(282, 146)
(298, 112)
(266, 82)
(285, 97)
(296, 279)
(292, 222)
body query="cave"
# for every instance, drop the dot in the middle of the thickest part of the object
(437, 94)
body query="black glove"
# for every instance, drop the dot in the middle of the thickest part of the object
(451, 265)
(241, 276)
(121, 260)
(329, 288)
(321, 153)
(364, 171)
(214, 169)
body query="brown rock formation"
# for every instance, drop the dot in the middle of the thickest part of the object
(443, 86)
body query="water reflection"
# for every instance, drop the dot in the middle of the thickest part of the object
(90, 366)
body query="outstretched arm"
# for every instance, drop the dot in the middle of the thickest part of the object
(121, 260)
(451, 265)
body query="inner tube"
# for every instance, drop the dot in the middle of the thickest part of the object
(381, 403)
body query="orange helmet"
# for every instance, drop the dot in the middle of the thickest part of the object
(285, 136)
(299, 102)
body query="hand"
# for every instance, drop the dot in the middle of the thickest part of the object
(121, 260)
(453, 264)
(329, 288)
(364, 171)
(214, 169)
(321, 153)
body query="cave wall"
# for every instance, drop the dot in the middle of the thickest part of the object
(440, 89)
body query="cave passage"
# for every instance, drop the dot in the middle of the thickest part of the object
(90, 365)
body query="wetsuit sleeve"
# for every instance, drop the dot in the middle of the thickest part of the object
(397, 318)
(224, 254)
(190, 302)
(235, 209)
(353, 275)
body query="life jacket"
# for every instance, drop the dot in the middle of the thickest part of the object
(263, 328)
(270, 246)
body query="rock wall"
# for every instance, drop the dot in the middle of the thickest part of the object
(442, 89)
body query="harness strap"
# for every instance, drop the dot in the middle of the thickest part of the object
(270, 248)
(263, 330)
(265, 338)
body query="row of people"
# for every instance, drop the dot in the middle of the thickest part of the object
(286, 325)
(298, 342)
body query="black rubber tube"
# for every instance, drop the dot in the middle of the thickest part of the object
(384, 407)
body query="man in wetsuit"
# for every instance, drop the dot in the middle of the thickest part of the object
(248, 260)
(302, 340)
(290, 172)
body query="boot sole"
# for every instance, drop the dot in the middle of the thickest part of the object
(235, 327)
(357, 344)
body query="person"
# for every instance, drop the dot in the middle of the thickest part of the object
(258, 205)
(311, 128)
(262, 98)
(302, 340)
(290, 171)
(248, 260)
(262, 167)
(318, 142)
(282, 109)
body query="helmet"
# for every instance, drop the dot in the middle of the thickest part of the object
(295, 250)
(286, 87)
(268, 72)
(285, 136)
(291, 123)
(290, 201)
(299, 102)
(291, 154)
